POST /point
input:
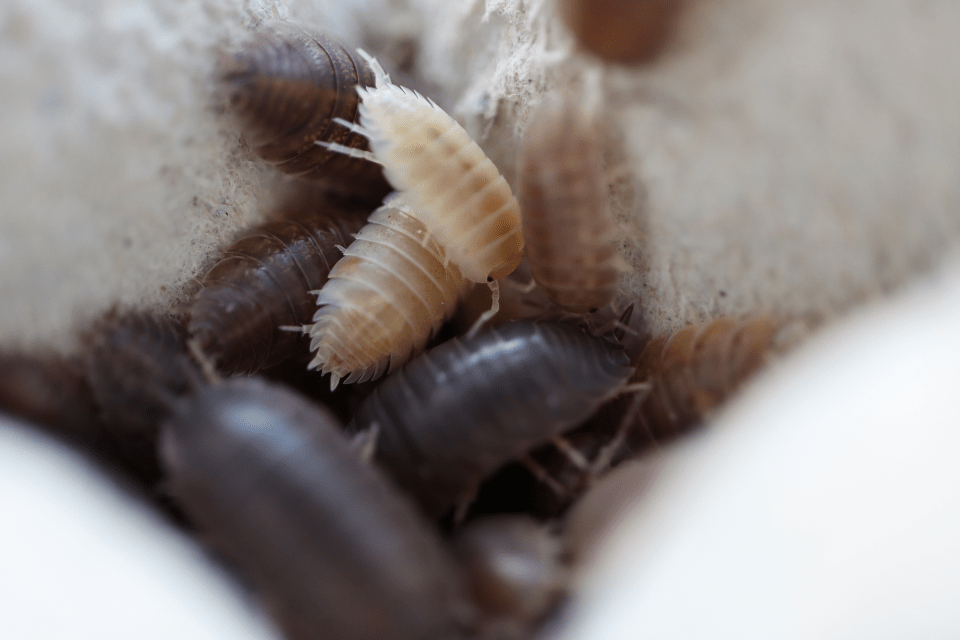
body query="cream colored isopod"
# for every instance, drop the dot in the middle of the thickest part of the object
(384, 299)
(447, 180)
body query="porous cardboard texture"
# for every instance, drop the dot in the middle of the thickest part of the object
(794, 157)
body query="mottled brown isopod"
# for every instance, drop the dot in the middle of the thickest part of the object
(263, 282)
(568, 229)
(625, 31)
(335, 550)
(385, 298)
(286, 87)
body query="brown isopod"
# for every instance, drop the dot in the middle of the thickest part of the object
(568, 229)
(696, 368)
(384, 299)
(514, 567)
(689, 373)
(334, 548)
(136, 365)
(625, 31)
(457, 413)
(286, 87)
(263, 282)
(49, 390)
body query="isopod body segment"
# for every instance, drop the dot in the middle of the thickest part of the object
(336, 551)
(444, 176)
(384, 299)
(567, 225)
(286, 87)
(265, 281)
(452, 416)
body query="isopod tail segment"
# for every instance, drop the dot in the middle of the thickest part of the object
(455, 190)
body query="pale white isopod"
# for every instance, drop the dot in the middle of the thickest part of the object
(383, 300)
(450, 184)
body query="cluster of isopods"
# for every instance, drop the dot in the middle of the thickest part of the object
(374, 530)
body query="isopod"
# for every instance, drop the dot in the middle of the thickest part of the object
(49, 390)
(443, 175)
(336, 550)
(455, 414)
(136, 365)
(384, 299)
(625, 31)
(286, 87)
(696, 368)
(514, 568)
(263, 282)
(567, 225)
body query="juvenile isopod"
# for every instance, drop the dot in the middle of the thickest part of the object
(452, 416)
(567, 225)
(384, 299)
(443, 175)
(136, 365)
(336, 551)
(286, 87)
(263, 282)
(626, 31)
(696, 368)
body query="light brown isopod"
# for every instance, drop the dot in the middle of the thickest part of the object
(383, 300)
(286, 87)
(626, 31)
(568, 229)
(698, 367)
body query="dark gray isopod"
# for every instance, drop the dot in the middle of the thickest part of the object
(451, 417)
(335, 550)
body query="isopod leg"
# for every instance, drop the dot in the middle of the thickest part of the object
(543, 476)
(490, 313)
(350, 151)
(605, 456)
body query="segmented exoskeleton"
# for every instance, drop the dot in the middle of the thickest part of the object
(567, 225)
(336, 551)
(444, 176)
(385, 298)
(263, 282)
(286, 87)
(696, 368)
(689, 373)
(461, 410)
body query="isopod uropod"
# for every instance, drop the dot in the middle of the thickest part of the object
(336, 550)
(286, 87)
(263, 282)
(443, 175)
(384, 299)
(567, 224)
(461, 410)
